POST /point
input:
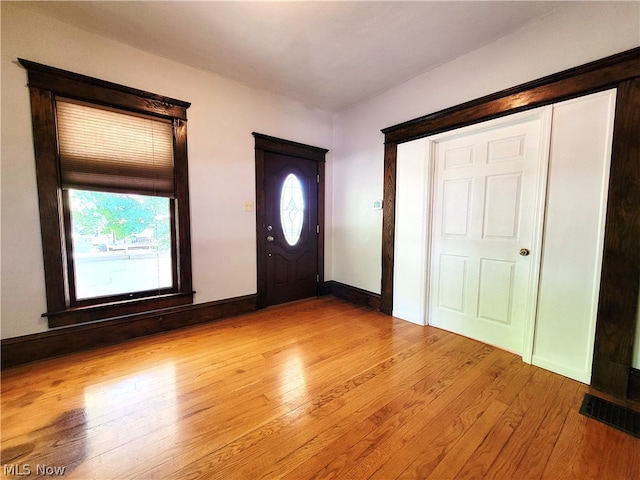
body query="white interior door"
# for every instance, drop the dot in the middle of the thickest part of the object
(488, 201)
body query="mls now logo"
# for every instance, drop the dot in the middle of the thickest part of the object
(24, 470)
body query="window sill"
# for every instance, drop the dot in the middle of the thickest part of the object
(110, 311)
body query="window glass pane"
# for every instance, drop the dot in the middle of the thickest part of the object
(291, 209)
(121, 243)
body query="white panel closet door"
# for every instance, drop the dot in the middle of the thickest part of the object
(487, 205)
(574, 234)
(411, 228)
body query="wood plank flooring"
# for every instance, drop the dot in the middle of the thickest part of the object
(318, 389)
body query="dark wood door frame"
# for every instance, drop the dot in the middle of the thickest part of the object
(620, 279)
(265, 143)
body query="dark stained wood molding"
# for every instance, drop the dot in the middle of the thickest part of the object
(82, 87)
(182, 209)
(575, 82)
(620, 279)
(265, 143)
(321, 220)
(388, 226)
(49, 197)
(355, 295)
(63, 341)
(261, 253)
(633, 392)
(120, 309)
(325, 288)
(287, 147)
(618, 305)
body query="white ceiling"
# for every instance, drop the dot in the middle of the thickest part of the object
(328, 55)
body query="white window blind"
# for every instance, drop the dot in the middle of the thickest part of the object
(110, 150)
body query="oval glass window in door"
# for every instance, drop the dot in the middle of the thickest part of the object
(291, 209)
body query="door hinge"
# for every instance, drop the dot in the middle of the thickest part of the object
(317, 277)
(317, 228)
(318, 178)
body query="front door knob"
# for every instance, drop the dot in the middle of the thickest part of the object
(524, 252)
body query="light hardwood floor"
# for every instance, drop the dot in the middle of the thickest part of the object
(315, 389)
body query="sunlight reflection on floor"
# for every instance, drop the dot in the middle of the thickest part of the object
(132, 407)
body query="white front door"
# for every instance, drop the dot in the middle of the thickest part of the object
(488, 201)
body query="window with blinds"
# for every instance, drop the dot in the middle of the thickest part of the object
(111, 150)
(112, 174)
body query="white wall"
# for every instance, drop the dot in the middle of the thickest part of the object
(581, 32)
(221, 157)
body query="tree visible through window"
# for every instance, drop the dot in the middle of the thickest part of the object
(121, 243)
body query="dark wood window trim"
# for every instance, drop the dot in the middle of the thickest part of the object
(45, 85)
(265, 143)
(618, 303)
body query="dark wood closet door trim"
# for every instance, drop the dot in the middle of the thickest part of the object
(620, 278)
(618, 305)
(575, 82)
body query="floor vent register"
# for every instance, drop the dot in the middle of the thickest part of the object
(611, 414)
